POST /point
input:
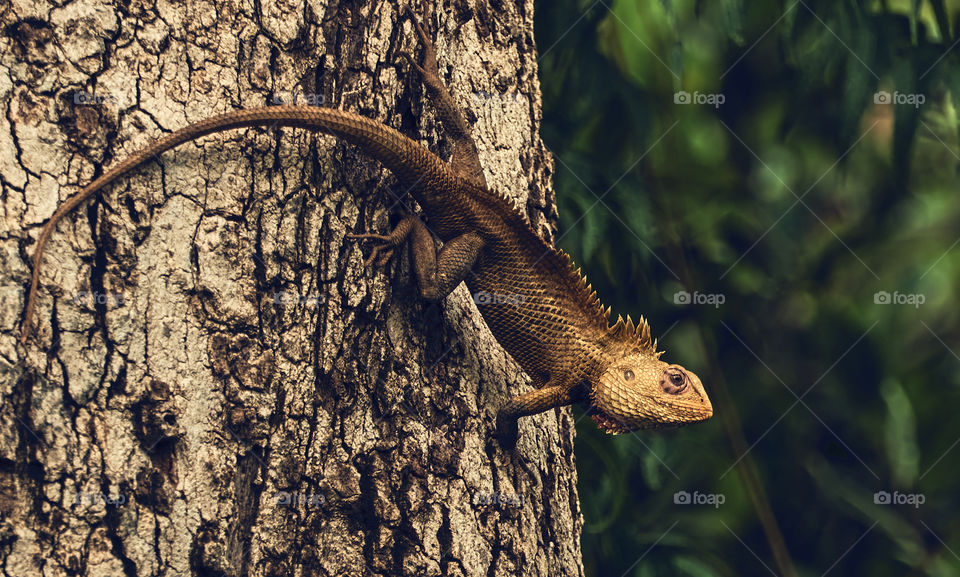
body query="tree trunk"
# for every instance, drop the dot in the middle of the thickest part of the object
(216, 384)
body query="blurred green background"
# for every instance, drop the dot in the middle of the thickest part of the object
(818, 202)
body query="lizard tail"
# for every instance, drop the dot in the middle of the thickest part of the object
(411, 163)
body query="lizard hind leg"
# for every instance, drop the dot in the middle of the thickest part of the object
(466, 158)
(438, 273)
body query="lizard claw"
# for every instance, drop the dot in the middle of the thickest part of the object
(382, 253)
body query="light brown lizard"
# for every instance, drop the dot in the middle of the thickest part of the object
(538, 306)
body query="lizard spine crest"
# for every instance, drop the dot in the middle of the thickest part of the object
(626, 331)
(637, 334)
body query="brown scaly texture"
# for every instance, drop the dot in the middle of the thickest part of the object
(537, 305)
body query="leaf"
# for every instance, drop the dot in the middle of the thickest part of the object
(693, 566)
(914, 18)
(940, 12)
(900, 434)
(733, 11)
(653, 462)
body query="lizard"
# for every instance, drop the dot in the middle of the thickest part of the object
(538, 306)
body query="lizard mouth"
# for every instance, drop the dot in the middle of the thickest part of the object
(612, 426)
(606, 423)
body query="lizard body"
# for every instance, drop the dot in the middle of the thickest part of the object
(538, 307)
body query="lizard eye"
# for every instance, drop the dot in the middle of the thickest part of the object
(673, 381)
(628, 375)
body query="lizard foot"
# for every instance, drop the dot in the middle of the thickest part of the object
(388, 243)
(429, 71)
(382, 253)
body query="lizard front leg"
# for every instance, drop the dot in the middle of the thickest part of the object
(438, 273)
(466, 159)
(530, 403)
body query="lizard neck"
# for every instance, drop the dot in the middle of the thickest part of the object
(590, 361)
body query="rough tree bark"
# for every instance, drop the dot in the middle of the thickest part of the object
(217, 385)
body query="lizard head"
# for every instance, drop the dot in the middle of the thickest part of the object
(636, 390)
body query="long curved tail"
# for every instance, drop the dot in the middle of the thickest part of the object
(410, 162)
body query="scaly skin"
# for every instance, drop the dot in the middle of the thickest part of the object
(538, 307)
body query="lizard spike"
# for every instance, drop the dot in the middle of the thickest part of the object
(512, 204)
(634, 333)
(631, 329)
(592, 299)
(585, 294)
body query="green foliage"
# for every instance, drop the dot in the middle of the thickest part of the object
(656, 197)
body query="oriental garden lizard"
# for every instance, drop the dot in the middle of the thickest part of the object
(537, 305)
